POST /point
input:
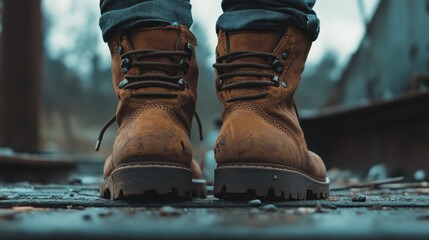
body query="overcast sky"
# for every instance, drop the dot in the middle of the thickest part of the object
(341, 25)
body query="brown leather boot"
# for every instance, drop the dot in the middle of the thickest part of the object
(261, 151)
(155, 78)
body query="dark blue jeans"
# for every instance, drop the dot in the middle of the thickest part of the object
(126, 15)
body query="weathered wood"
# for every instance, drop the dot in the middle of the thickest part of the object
(392, 132)
(20, 82)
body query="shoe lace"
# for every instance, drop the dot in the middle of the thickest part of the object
(225, 68)
(178, 61)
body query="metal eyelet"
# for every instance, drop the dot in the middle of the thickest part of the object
(125, 64)
(183, 62)
(185, 65)
(182, 83)
(123, 83)
(189, 50)
(120, 50)
(284, 85)
(220, 85)
(277, 65)
(285, 55)
(275, 80)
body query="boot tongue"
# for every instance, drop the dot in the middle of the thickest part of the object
(259, 41)
(253, 41)
(155, 38)
(162, 39)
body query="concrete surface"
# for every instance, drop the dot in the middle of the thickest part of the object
(75, 211)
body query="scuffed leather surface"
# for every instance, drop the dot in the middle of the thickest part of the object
(266, 130)
(153, 129)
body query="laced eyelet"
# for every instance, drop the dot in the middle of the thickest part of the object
(123, 83)
(277, 66)
(120, 50)
(220, 85)
(188, 49)
(275, 80)
(125, 64)
(285, 55)
(182, 83)
(185, 65)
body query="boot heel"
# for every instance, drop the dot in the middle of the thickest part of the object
(250, 182)
(148, 181)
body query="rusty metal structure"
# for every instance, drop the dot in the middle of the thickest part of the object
(378, 112)
(394, 49)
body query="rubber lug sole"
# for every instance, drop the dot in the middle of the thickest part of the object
(148, 182)
(273, 184)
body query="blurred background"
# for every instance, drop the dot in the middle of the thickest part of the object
(364, 85)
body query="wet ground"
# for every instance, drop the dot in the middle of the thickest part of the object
(386, 209)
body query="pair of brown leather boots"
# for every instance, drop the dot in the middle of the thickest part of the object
(261, 151)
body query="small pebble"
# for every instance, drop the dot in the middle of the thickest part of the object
(254, 211)
(269, 208)
(420, 175)
(75, 181)
(255, 203)
(105, 214)
(86, 217)
(168, 211)
(305, 210)
(359, 198)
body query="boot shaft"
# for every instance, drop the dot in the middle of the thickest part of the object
(281, 66)
(155, 66)
(168, 39)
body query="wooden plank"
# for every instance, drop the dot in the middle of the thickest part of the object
(20, 81)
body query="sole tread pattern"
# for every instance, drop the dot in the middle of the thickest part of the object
(245, 183)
